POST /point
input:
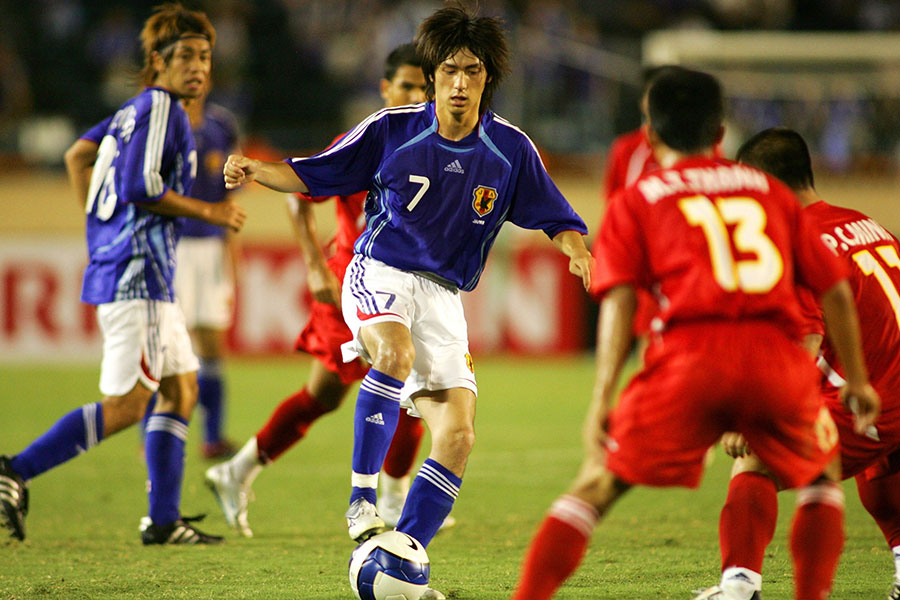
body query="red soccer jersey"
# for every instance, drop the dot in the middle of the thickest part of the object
(350, 224)
(714, 240)
(874, 256)
(630, 156)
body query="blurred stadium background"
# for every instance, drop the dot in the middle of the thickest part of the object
(296, 72)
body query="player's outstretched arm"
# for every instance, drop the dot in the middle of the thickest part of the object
(614, 337)
(225, 214)
(278, 176)
(322, 282)
(842, 328)
(79, 159)
(581, 263)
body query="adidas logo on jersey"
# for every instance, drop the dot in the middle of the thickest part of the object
(377, 419)
(454, 167)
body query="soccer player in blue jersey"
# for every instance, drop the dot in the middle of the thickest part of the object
(136, 187)
(207, 256)
(442, 178)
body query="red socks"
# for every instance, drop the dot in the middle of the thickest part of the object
(287, 424)
(404, 446)
(557, 549)
(817, 537)
(747, 522)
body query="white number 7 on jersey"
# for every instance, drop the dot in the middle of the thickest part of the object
(425, 183)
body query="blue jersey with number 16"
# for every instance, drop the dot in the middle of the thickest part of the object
(146, 149)
(435, 205)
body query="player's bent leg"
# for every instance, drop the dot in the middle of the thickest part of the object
(450, 415)
(559, 545)
(231, 481)
(389, 344)
(293, 417)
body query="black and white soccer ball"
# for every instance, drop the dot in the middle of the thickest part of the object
(389, 566)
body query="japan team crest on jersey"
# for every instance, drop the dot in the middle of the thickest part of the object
(483, 199)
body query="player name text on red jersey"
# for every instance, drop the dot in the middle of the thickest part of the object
(706, 180)
(856, 233)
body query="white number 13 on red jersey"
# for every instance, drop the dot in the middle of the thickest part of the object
(753, 276)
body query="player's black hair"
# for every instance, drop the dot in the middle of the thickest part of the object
(169, 23)
(451, 29)
(648, 74)
(781, 152)
(686, 109)
(404, 54)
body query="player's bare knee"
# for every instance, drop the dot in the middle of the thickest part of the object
(123, 411)
(178, 394)
(395, 360)
(329, 392)
(599, 487)
(454, 441)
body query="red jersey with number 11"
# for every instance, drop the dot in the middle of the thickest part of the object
(874, 256)
(714, 240)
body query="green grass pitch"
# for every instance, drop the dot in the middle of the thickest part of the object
(83, 527)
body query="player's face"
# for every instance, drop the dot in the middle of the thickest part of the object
(459, 82)
(187, 72)
(407, 87)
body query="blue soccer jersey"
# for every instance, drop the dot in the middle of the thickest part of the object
(435, 205)
(215, 138)
(146, 149)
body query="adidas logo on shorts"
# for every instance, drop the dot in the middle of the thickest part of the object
(454, 167)
(377, 419)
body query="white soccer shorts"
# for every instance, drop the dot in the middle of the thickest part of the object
(143, 340)
(374, 292)
(203, 283)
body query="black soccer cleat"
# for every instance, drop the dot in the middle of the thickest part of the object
(13, 499)
(894, 594)
(181, 532)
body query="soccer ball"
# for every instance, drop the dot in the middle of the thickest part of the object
(389, 566)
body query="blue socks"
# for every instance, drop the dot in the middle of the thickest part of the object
(374, 423)
(164, 447)
(75, 433)
(210, 397)
(430, 500)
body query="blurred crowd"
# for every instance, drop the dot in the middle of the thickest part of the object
(297, 72)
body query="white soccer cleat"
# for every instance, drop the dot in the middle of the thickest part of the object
(363, 521)
(390, 507)
(717, 593)
(232, 495)
(432, 594)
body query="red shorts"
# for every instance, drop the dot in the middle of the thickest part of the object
(701, 380)
(322, 338)
(873, 454)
